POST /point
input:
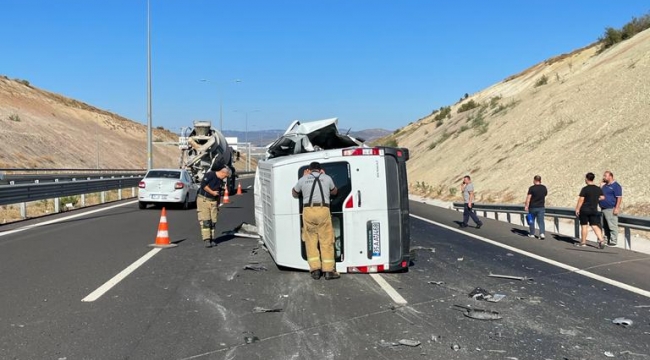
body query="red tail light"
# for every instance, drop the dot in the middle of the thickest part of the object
(350, 203)
(179, 185)
(142, 185)
(366, 269)
(363, 151)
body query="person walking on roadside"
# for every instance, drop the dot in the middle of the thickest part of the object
(207, 202)
(317, 220)
(587, 210)
(611, 206)
(467, 188)
(535, 205)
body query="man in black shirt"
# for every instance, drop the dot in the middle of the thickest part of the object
(587, 210)
(535, 203)
(207, 202)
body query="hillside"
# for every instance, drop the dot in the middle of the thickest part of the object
(41, 129)
(575, 113)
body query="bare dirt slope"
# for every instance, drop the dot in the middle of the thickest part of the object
(40, 129)
(592, 114)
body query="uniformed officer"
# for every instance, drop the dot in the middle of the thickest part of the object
(207, 202)
(316, 188)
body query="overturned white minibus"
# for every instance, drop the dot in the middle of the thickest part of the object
(370, 213)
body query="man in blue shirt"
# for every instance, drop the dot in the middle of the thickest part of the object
(611, 206)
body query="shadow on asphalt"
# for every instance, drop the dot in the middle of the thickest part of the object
(519, 232)
(179, 241)
(224, 238)
(564, 238)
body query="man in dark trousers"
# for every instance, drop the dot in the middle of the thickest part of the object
(611, 206)
(587, 210)
(316, 188)
(535, 205)
(207, 202)
(467, 188)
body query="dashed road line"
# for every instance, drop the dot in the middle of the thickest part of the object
(397, 298)
(28, 227)
(119, 277)
(574, 269)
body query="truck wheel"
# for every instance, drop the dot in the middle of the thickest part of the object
(142, 205)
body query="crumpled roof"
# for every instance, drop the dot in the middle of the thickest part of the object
(302, 137)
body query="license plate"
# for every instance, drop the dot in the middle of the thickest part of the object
(158, 197)
(374, 239)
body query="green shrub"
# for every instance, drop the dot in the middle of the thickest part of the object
(391, 142)
(445, 112)
(439, 123)
(463, 128)
(613, 36)
(541, 81)
(453, 191)
(468, 106)
(14, 117)
(24, 82)
(396, 131)
(157, 139)
(494, 101)
(74, 200)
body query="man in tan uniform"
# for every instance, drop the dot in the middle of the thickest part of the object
(316, 188)
(207, 202)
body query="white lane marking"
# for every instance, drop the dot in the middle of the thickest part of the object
(119, 277)
(397, 298)
(546, 260)
(9, 232)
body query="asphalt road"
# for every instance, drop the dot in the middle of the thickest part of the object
(190, 302)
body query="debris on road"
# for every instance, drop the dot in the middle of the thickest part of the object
(251, 339)
(642, 306)
(623, 321)
(246, 230)
(609, 354)
(408, 342)
(479, 314)
(259, 309)
(387, 344)
(568, 332)
(496, 298)
(255, 267)
(435, 338)
(511, 277)
(436, 282)
(455, 347)
(627, 352)
(430, 249)
(460, 259)
(479, 294)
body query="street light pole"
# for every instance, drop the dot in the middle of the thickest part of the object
(149, 114)
(220, 95)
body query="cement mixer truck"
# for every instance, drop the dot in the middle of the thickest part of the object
(204, 148)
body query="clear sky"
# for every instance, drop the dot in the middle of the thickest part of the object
(371, 63)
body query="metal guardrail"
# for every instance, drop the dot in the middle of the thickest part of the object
(24, 193)
(627, 222)
(19, 176)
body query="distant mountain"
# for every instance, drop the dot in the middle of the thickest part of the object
(265, 137)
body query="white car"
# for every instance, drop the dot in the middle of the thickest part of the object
(167, 186)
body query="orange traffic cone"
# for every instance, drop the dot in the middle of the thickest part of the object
(239, 188)
(226, 198)
(162, 238)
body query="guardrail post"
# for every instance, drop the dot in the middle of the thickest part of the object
(57, 201)
(83, 200)
(628, 238)
(556, 223)
(23, 210)
(132, 192)
(576, 228)
(508, 218)
(102, 195)
(523, 220)
(496, 216)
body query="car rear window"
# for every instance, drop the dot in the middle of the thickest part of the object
(164, 174)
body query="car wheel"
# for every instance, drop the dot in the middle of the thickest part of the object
(186, 203)
(142, 205)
